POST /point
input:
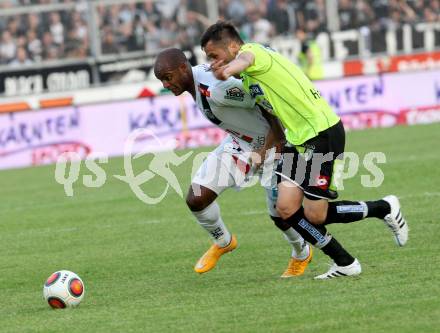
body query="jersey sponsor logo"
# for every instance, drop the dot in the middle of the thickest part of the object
(315, 93)
(235, 94)
(255, 90)
(322, 182)
(264, 103)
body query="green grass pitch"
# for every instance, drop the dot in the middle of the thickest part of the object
(137, 260)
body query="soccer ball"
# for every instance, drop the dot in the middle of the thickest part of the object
(63, 289)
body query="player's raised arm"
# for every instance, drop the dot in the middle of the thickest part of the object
(234, 68)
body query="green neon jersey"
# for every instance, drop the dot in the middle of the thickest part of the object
(280, 86)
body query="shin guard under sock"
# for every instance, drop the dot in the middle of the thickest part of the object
(346, 211)
(352, 211)
(319, 237)
(314, 234)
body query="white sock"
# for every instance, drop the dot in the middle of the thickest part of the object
(300, 250)
(210, 220)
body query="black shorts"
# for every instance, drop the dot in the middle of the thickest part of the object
(311, 165)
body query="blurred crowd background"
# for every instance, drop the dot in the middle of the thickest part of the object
(151, 25)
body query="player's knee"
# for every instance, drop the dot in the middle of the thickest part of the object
(289, 200)
(315, 216)
(285, 210)
(195, 203)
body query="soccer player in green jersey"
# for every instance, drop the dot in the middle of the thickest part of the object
(315, 144)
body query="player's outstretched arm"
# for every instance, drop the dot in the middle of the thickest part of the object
(235, 67)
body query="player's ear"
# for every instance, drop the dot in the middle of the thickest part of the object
(234, 47)
(183, 67)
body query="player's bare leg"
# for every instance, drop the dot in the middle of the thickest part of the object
(315, 210)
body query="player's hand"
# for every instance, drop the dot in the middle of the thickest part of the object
(216, 64)
(219, 70)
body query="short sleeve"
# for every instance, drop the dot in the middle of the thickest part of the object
(262, 58)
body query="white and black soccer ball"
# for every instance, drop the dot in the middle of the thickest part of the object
(63, 289)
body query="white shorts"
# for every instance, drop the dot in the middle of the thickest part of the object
(227, 167)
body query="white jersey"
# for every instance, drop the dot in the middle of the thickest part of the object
(228, 106)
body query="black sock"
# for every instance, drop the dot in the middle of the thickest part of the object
(339, 255)
(345, 212)
(318, 236)
(280, 223)
(314, 234)
(379, 208)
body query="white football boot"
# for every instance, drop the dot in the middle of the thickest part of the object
(395, 221)
(341, 271)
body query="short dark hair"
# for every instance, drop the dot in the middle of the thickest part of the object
(169, 59)
(220, 31)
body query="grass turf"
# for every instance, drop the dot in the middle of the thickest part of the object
(136, 260)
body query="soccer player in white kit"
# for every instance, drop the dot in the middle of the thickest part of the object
(226, 105)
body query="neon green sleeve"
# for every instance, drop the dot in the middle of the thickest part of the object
(262, 59)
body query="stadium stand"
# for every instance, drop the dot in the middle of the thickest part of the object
(116, 40)
(146, 26)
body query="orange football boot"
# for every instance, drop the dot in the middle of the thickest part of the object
(210, 258)
(297, 267)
